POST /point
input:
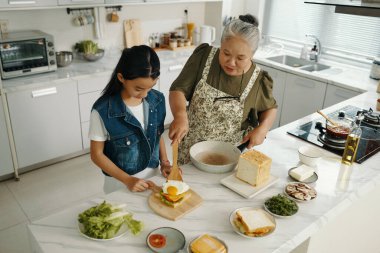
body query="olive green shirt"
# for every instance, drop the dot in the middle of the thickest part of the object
(259, 99)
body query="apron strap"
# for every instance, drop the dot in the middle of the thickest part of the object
(250, 84)
(206, 69)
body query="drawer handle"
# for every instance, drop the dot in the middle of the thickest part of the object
(44, 92)
(23, 2)
(175, 67)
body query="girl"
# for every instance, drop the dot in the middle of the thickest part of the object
(127, 122)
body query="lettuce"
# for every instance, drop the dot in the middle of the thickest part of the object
(104, 221)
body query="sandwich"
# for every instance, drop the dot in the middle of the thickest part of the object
(253, 222)
(207, 244)
(174, 193)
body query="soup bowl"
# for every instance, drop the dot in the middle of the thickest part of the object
(214, 156)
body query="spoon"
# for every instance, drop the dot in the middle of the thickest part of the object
(327, 118)
(175, 174)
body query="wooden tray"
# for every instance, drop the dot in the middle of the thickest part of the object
(170, 213)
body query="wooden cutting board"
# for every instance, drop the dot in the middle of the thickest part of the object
(171, 213)
(132, 32)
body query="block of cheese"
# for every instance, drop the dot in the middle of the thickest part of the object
(254, 167)
(207, 244)
(302, 172)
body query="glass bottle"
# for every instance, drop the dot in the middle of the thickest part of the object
(352, 142)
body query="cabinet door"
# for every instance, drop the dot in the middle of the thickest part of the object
(168, 75)
(45, 122)
(123, 1)
(279, 78)
(96, 82)
(6, 164)
(302, 97)
(336, 94)
(26, 3)
(86, 101)
(85, 129)
(75, 2)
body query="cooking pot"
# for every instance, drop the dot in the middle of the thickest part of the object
(342, 128)
(375, 70)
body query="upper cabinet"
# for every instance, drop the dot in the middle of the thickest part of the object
(80, 2)
(27, 3)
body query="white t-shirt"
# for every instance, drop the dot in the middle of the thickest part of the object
(98, 131)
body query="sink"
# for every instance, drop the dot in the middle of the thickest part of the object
(298, 63)
(315, 67)
(290, 61)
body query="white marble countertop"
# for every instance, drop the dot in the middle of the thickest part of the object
(338, 187)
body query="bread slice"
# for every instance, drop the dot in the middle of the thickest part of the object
(207, 244)
(254, 222)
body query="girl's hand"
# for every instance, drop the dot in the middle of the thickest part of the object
(135, 184)
(165, 168)
(178, 128)
(255, 137)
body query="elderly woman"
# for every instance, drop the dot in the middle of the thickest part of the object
(230, 98)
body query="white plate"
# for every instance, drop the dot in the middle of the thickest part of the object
(308, 180)
(175, 240)
(123, 229)
(221, 241)
(237, 230)
(281, 216)
(295, 199)
(244, 189)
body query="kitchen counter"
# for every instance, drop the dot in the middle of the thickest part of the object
(338, 187)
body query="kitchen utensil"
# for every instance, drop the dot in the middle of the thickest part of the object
(170, 213)
(309, 155)
(175, 174)
(243, 146)
(94, 57)
(244, 189)
(175, 240)
(214, 156)
(207, 34)
(132, 33)
(327, 118)
(64, 58)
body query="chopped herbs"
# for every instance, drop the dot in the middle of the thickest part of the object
(281, 205)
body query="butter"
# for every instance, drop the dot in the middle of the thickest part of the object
(302, 172)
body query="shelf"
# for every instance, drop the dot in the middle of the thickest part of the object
(346, 3)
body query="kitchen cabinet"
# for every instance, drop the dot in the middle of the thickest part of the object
(80, 2)
(335, 94)
(6, 164)
(278, 78)
(123, 1)
(45, 122)
(27, 3)
(302, 97)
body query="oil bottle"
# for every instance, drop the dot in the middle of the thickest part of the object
(352, 142)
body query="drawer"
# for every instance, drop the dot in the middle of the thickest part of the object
(96, 82)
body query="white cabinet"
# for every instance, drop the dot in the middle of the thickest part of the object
(168, 75)
(78, 2)
(279, 78)
(45, 122)
(27, 3)
(6, 165)
(302, 97)
(123, 1)
(335, 94)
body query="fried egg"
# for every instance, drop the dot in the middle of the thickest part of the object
(174, 187)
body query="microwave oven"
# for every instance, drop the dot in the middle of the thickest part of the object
(25, 53)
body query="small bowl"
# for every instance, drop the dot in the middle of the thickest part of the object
(309, 155)
(175, 240)
(64, 58)
(94, 57)
(214, 156)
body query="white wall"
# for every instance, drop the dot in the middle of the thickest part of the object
(154, 18)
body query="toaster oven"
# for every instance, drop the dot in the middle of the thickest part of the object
(25, 53)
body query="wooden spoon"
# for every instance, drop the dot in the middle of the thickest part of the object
(175, 174)
(327, 118)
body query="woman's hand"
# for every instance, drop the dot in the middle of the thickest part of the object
(255, 137)
(179, 128)
(165, 168)
(135, 184)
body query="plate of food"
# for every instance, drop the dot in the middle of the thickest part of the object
(252, 222)
(165, 240)
(107, 221)
(207, 243)
(300, 191)
(281, 206)
(303, 174)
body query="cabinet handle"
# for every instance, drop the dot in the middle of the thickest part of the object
(44, 92)
(23, 2)
(175, 67)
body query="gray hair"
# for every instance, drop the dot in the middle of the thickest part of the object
(246, 27)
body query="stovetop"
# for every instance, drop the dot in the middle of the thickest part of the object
(369, 142)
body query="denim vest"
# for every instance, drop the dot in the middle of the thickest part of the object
(131, 147)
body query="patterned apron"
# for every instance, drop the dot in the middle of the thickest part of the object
(211, 119)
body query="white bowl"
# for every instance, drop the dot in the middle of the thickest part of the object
(206, 154)
(309, 155)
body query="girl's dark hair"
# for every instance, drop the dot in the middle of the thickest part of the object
(248, 18)
(135, 62)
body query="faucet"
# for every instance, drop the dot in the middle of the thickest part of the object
(316, 50)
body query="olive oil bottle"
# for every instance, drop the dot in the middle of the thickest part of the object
(352, 143)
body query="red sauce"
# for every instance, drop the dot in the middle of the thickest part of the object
(339, 132)
(157, 240)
